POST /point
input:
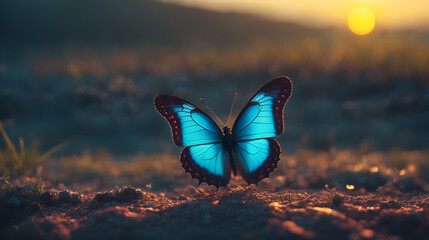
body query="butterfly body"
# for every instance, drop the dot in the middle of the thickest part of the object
(211, 154)
(228, 145)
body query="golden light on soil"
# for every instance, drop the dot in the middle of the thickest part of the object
(361, 21)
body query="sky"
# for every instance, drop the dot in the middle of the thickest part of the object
(389, 14)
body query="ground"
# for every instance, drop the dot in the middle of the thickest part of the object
(312, 195)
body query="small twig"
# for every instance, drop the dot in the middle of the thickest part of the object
(330, 190)
(201, 192)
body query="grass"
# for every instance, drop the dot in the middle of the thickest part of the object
(378, 58)
(22, 162)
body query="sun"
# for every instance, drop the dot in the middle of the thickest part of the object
(361, 21)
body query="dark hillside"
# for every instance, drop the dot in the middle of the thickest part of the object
(133, 22)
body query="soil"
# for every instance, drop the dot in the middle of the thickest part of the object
(236, 213)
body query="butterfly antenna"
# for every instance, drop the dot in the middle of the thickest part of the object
(232, 107)
(207, 106)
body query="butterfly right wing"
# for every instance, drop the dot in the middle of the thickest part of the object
(262, 116)
(189, 125)
(257, 158)
(260, 120)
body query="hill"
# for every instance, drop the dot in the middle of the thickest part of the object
(125, 22)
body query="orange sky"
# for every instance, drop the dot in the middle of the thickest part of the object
(389, 14)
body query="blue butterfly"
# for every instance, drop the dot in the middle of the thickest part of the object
(210, 154)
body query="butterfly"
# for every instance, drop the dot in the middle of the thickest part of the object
(211, 154)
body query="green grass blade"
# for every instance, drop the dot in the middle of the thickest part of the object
(22, 148)
(48, 153)
(12, 148)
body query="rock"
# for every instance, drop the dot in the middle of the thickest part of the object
(104, 197)
(48, 198)
(64, 196)
(76, 199)
(69, 197)
(129, 194)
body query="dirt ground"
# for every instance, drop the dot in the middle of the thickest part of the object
(300, 201)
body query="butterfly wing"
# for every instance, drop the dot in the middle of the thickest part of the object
(257, 158)
(262, 116)
(204, 154)
(189, 125)
(208, 163)
(260, 120)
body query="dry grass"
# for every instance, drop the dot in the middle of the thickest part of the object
(379, 57)
(23, 162)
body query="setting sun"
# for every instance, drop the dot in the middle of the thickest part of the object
(361, 21)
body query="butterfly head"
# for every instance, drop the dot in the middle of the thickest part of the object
(226, 131)
(227, 138)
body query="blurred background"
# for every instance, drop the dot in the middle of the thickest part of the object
(85, 73)
(83, 151)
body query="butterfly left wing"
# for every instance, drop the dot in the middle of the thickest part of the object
(189, 124)
(204, 154)
(208, 163)
(260, 120)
